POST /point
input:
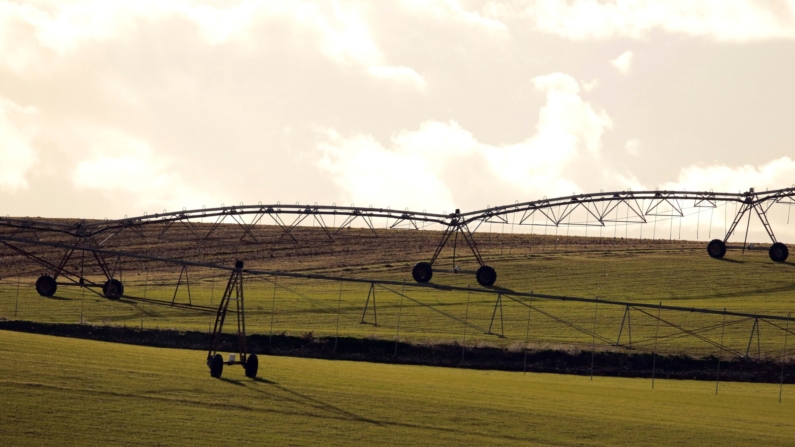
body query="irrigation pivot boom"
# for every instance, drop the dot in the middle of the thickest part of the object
(234, 292)
(599, 209)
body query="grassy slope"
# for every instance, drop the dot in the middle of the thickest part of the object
(73, 392)
(671, 273)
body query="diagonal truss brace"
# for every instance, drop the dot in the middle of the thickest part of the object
(749, 203)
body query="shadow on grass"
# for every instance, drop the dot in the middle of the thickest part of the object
(334, 411)
(499, 289)
(242, 382)
(57, 298)
(315, 403)
(146, 311)
(733, 261)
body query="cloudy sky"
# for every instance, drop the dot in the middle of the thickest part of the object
(114, 108)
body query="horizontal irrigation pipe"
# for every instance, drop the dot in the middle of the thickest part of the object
(492, 290)
(568, 202)
(166, 303)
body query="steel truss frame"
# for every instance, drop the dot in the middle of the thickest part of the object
(555, 212)
(232, 292)
(75, 278)
(530, 300)
(599, 206)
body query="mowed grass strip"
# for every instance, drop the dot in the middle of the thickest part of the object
(58, 391)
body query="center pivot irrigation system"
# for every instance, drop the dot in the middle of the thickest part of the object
(529, 300)
(592, 210)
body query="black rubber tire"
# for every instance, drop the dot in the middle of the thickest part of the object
(46, 285)
(716, 249)
(486, 276)
(778, 252)
(113, 289)
(216, 364)
(422, 272)
(251, 366)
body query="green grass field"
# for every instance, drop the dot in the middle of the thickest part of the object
(675, 274)
(58, 391)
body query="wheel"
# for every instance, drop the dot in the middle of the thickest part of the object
(46, 285)
(113, 289)
(778, 252)
(251, 366)
(216, 363)
(486, 275)
(422, 272)
(716, 249)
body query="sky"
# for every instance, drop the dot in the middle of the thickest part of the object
(118, 108)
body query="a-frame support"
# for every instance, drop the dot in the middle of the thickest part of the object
(750, 203)
(370, 292)
(187, 283)
(755, 328)
(627, 319)
(233, 292)
(454, 227)
(497, 304)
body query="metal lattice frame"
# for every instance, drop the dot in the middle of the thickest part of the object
(555, 212)
(234, 292)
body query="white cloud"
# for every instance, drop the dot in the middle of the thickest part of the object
(121, 91)
(373, 175)
(347, 38)
(775, 174)
(451, 10)
(632, 147)
(623, 62)
(424, 168)
(62, 27)
(59, 29)
(17, 155)
(565, 115)
(121, 163)
(627, 181)
(731, 20)
(588, 86)
(403, 75)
